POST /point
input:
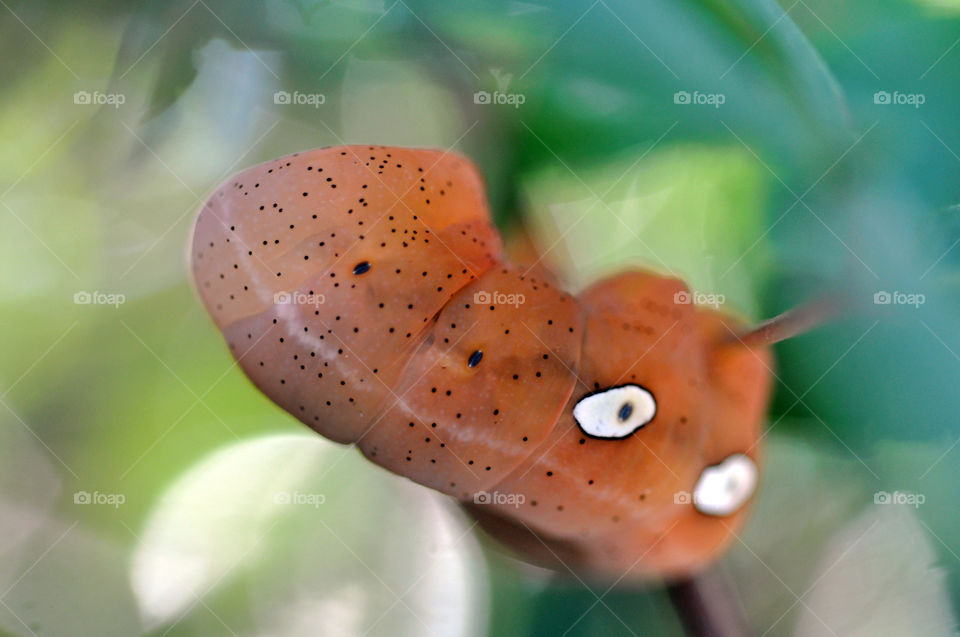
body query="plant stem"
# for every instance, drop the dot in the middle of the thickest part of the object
(708, 606)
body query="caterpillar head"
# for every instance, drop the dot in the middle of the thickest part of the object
(653, 463)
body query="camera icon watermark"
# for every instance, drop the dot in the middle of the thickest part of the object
(682, 497)
(504, 499)
(96, 98)
(116, 500)
(915, 500)
(886, 98)
(695, 297)
(883, 297)
(298, 498)
(285, 98)
(298, 298)
(83, 297)
(498, 298)
(696, 98)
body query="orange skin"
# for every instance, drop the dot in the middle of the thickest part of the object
(391, 262)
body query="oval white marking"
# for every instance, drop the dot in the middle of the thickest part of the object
(601, 414)
(723, 488)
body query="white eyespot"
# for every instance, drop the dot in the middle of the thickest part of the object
(723, 488)
(616, 412)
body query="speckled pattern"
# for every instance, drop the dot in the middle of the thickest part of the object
(365, 290)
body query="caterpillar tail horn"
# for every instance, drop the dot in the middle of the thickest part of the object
(795, 322)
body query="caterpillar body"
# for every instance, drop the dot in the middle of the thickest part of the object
(365, 290)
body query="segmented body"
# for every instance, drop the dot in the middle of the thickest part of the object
(365, 290)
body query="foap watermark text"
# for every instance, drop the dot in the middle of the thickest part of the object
(96, 98)
(500, 96)
(298, 298)
(696, 98)
(899, 298)
(296, 98)
(498, 298)
(899, 497)
(298, 498)
(508, 499)
(695, 297)
(84, 297)
(896, 98)
(116, 500)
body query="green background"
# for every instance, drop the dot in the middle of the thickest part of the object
(799, 182)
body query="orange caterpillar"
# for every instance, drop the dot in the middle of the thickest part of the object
(365, 290)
